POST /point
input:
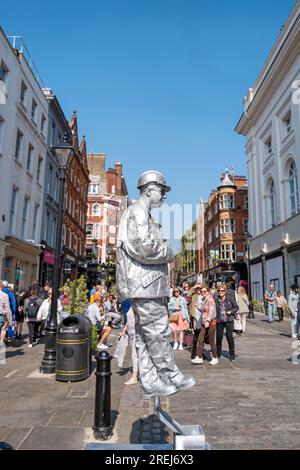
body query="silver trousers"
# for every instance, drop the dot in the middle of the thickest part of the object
(156, 362)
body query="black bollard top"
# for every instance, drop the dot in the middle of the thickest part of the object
(103, 356)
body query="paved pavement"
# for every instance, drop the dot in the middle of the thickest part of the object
(252, 403)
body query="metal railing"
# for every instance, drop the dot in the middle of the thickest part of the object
(18, 43)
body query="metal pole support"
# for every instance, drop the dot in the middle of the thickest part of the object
(186, 437)
(102, 420)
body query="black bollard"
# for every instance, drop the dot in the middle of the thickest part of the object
(102, 422)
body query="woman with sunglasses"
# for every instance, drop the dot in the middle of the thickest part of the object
(207, 326)
(177, 305)
(226, 308)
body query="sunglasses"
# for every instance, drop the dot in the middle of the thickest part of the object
(221, 290)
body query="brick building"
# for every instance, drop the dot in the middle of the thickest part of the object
(76, 193)
(107, 199)
(226, 224)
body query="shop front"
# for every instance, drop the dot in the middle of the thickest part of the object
(69, 266)
(21, 263)
(46, 267)
(294, 265)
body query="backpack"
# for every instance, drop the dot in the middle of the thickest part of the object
(33, 308)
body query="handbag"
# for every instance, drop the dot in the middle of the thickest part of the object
(237, 326)
(120, 351)
(173, 318)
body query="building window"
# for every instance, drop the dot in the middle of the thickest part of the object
(13, 207)
(287, 123)
(293, 186)
(49, 184)
(268, 146)
(3, 71)
(217, 231)
(19, 139)
(33, 109)
(209, 236)
(228, 251)
(39, 168)
(47, 226)
(245, 225)
(35, 216)
(97, 231)
(273, 214)
(43, 122)
(54, 231)
(227, 201)
(209, 214)
(246, 201)
(96, 209)
(1, 133)
(89, 231)
(24, 218)
(53, 130)
(23, 92)
(29, 157)
(93, 188)
(227, 226)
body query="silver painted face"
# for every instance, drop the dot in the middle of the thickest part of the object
(157, 196)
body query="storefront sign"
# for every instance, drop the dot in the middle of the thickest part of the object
(49, 258)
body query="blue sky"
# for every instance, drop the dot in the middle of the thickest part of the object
(156, 83)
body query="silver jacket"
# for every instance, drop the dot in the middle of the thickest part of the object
(142, 256)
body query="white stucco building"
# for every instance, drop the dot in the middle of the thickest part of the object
(23, 147)
(271, 125)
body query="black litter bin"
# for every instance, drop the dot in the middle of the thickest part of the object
(73, 349)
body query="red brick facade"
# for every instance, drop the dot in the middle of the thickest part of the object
(76, 207)
(226, 224)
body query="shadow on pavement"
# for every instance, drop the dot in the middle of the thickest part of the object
(149, 431)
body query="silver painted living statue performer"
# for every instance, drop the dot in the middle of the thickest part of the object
(142, 277)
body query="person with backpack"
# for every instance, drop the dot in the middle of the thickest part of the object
(31, 308)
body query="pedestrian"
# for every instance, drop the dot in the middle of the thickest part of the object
(12, 300)
(45, 308)
(96, 314)
(5, 315)
(226, 308)
(129, 329)
(20, 314)
(243, 304)
(185, 288)
(207, 326)
(110, 306)
(96, 293)
(196, 296)
(281, 304)
(31, 308)
(178, 309)
(270, 297)
(143, 255)
(45, 291)
(293, 304)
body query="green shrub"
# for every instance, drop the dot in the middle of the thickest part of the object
(77, 292)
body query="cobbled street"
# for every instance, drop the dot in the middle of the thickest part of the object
(251, 403)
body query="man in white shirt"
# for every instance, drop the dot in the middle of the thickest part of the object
(97, 319)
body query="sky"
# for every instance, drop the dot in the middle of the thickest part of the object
(157, 84)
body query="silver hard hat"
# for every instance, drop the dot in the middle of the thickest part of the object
(153, 176)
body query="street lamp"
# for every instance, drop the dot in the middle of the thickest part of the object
(248, 241)
(64, 152)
